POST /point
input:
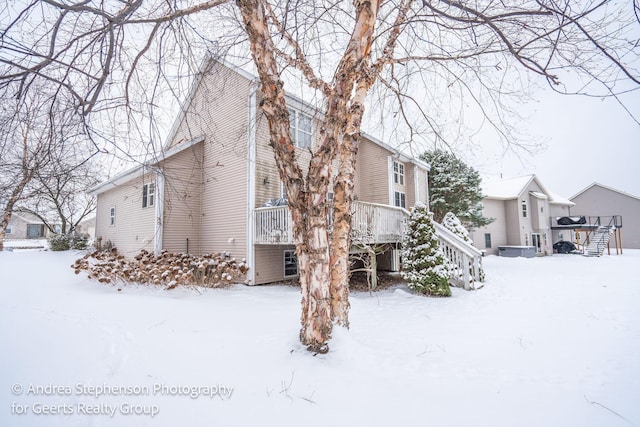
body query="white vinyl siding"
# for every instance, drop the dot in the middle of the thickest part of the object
(215, 196)
(122, 220)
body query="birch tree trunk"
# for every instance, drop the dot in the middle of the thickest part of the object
(306, 197)
(321, 304)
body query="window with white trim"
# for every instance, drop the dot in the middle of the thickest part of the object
(524, 209)
(398, 173)
(112, 216)
(300, 126)
(399, 199)
(290, 263)
(8, 229)
(148, 194)
(487, 240)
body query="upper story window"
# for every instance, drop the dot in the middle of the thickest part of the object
(524, 209)
(300, 125)
(112, 216)
(148, 194)
(398, 173)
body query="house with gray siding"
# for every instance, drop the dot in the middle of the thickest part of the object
(215, 186)
(522, 208)
(604, 204)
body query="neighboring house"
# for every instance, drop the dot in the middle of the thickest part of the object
(606, 205)
(216, 188)
(522, 208)
(25, 225)
(88, 226)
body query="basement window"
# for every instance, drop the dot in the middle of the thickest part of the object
(290, 263)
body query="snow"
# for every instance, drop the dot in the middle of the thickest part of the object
(504, 188)
(552, 341)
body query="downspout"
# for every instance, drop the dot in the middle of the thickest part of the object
(426, 184)
(157, 244)
(251, 182)
(416, 184)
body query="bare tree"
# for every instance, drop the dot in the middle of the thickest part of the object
(59, 195)
(26, 141)
(480, 52)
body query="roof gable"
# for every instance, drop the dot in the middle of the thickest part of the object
(505, 188)
(140, 170)
(512, 188)
(596, 184)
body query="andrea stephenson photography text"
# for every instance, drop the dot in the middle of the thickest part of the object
(85, 399)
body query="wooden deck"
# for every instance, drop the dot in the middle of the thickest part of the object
(371, 224)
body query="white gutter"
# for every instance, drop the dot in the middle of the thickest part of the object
(251, 182)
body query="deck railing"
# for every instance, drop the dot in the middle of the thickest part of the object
(273, 226)
(466, 260)
(371, 224)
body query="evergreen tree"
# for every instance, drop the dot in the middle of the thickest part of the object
(453, 224)
(424, 265)
(454, 187)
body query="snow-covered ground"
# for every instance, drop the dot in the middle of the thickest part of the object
(549, 341)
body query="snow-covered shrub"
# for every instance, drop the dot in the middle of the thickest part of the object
(167, 269)
(423, 262)
(453, 224)
(59, 242)
(64, 242)
(78, 241)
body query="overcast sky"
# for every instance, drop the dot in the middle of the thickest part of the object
(588, 140)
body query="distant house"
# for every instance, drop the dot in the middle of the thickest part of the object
(522, 208)
(25, 225)
(88, 226)
(606, 204)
